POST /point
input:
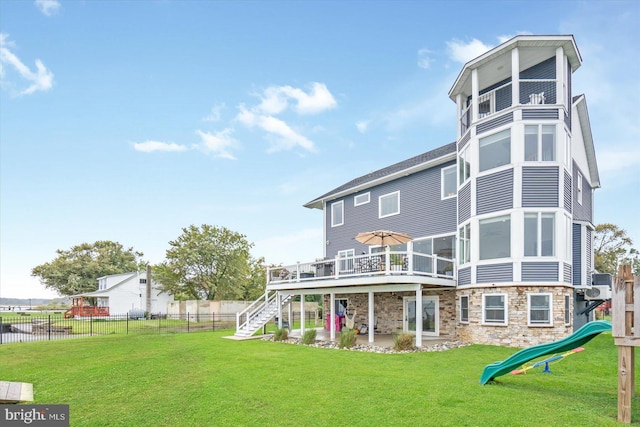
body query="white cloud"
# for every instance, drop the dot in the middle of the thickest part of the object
(275, 99)
(48, 7)
(151, 146)
(285, 138)
(464, 52)
(217, 144)
(214, 116)
(616, 161)
(424, 59)
(363, 125)
(41, 79)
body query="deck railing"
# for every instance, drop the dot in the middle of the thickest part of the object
(375, 264)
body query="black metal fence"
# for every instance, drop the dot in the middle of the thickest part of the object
(26, 327)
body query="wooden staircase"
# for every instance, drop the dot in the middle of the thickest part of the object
(258, 314)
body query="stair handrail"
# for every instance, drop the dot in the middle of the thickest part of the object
(254, 308)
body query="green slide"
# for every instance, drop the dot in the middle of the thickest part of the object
(579, 337)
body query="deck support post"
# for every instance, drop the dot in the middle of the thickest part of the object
(279, 302)
(419, 317)
(301, 315)
(371, 320)
(332, 316)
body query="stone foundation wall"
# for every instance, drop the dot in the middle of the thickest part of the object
(516, 333)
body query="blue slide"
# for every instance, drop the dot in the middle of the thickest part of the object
(579, 337)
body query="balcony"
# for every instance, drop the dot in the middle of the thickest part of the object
(377, 268)
(533, 92)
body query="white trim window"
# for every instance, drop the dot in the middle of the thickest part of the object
(361, 199)
(579, 187)
(464, 308)
(539, 234)
(448, 182)
(495, 150)
(540, 309)
(495, 237)
(337, 213)
(464, 165)
(567, 310)
(389, 204)
(346, 258)
(465, 244)
(494, 309)
(540, 143)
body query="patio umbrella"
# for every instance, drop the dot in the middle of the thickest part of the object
(383, 238)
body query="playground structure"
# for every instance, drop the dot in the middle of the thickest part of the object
(78, 308)
(547, 362)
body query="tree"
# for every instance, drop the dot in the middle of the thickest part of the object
(255, 283)
(75, 271)
(613, 247)
(205, 262)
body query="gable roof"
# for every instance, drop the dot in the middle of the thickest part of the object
(406, 167)
(580, 103)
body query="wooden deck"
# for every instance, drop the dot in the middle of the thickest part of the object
(12, 392)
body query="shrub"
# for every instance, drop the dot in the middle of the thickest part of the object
(402, 342)
(281, 334)
(347, 339)
(309, 337)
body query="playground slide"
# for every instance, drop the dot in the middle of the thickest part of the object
(578, 338)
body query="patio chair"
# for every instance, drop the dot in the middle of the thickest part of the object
(350, 323)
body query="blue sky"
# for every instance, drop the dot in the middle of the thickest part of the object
(129, 120)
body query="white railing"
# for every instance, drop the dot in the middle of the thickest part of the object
(253, 310)
(375, 264)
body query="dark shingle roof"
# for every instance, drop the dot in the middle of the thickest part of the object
(389, 170)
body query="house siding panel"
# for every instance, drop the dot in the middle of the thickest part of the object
(540, 186)
(422, 212)
(494, 123)
(588, 254)
(464, 203)
(577, 254)
(494, 273)
(567, 191)
(540, 114)
(539, 271)
(545, 70)
(566, 272)
(464, 140)
(581, 212)
(494, 192)
(464, 276)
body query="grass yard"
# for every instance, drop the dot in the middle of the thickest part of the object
(202, 379)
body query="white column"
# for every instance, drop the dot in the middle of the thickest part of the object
(302, 315)
(419, 317)
(474, 95)
(332, 316)
(560, 76)
(290, 314)
(279, 302)
(371, 317)
(515, 77)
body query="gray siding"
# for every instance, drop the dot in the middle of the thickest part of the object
(494, 192)
(422, 212)
(588, 247)
(494, 273)
(464, 276)
(581, 212)
(566, 272)
(567, 191)
(539, 271)
(494, 123)
(464, 203)
(464, 141)
(543, 70)
(540, 114)
(577, 254)
(540, 186)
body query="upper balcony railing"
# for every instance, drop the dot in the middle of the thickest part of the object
(532, 92)
(378, 264)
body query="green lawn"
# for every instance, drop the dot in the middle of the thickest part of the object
(201, 379)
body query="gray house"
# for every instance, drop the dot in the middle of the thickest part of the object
(501, 220)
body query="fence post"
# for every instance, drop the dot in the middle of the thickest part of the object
(127, 323)
(1, 329)
(49, 328)
(90, 325)
(213, 322)
(188, 319)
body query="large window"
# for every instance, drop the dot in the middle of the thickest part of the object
(337, 214)
(442, 247)
(464, 165)
(495, 150)
(539, 234)
(449, 184)
(464, 309)
(540, 143)
(465, 244)
(540, 309)
(389, 204)
(495, 237)
(494, 309)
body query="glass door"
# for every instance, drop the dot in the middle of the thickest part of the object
(430, 318)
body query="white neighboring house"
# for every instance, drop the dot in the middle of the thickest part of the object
(128, 291)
